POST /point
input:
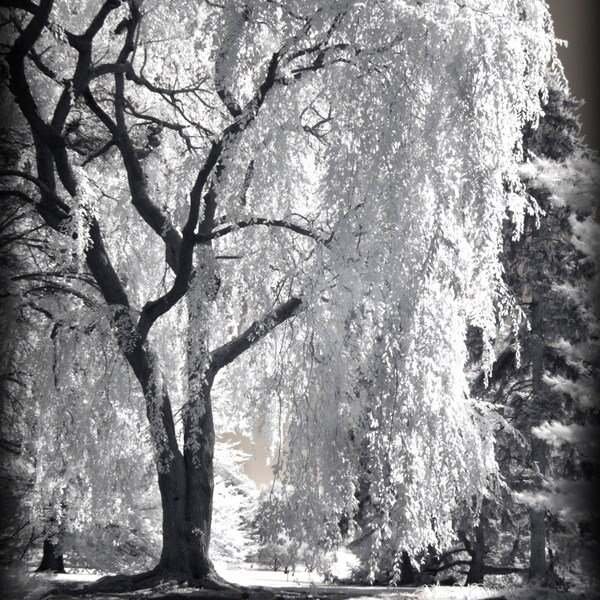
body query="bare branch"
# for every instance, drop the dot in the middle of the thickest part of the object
(131, 75)
(43, 67)
(266, 222)
(100, 152)
(83, 45)
(229, 351)
(150, 212)
(454, 563)
(26, 5)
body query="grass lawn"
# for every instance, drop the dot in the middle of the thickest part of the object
(261, 584)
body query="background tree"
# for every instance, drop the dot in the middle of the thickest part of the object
(548, 371)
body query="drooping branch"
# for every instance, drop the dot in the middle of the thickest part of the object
(96, 256)
(40, 184)
(100, 266)
(52, 288)
(17, 194)
(58, 274)
(229, 351)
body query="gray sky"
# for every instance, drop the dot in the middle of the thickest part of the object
(577, 22)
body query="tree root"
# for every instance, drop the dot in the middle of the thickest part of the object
(155, 578)
(213, 581)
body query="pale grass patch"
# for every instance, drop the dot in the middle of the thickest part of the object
(471, 592)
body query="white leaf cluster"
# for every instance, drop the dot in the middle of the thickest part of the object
(420, 169)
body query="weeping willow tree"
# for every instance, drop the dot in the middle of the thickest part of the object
(290, 211)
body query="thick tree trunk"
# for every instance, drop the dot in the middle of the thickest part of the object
(408, 573)
(184, 553)
(187, 487)
(477, 568)
(185, 480)
(200, 484)
(52, 558)
(537, 560)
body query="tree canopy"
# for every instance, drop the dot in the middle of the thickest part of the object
(291, 212)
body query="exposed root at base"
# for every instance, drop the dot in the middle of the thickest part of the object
(119, 584)
(213, 581)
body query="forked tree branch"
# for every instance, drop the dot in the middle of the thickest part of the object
(156, 308)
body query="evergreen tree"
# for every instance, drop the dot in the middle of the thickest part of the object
(546, 373)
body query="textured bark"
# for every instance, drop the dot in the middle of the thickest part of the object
(186, 488)
(185, 543)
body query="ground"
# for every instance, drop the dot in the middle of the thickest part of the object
(260, 584)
